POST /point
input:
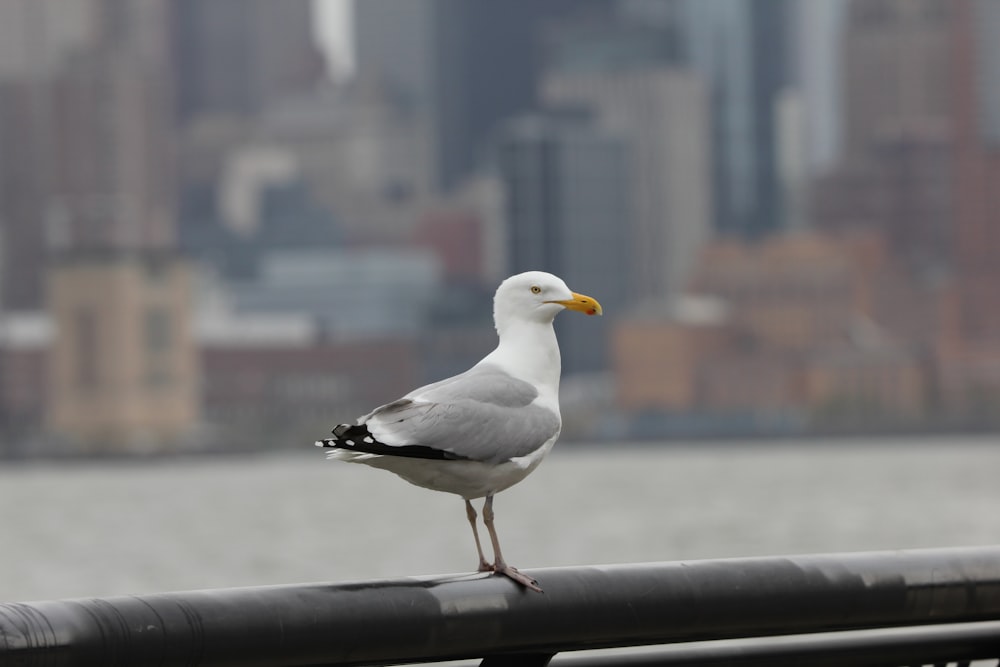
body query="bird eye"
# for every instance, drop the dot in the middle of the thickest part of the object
(535, 289)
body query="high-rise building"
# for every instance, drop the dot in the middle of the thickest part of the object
(894, 172)
(568, 208)
(87, 209)
(742, 49)
(466, 65)
(239, 56)
(819, 27)
(921, 84)
(976, 237)
(896, 62)
(86, 131)
(661, 114)
(37, 36)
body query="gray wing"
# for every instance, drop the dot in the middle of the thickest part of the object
(483, 414)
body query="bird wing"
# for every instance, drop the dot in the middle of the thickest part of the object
(483, 415)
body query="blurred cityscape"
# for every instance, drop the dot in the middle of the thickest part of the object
(216, 233)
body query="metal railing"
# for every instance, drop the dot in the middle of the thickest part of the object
(881, 608)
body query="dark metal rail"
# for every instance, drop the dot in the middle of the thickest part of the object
(922, 645)
(481, 616)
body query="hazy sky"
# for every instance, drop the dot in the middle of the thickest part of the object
(333, 29)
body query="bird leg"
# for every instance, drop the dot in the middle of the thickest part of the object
(470, 512)
(500, 566)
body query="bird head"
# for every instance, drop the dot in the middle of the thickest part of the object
(538, 296)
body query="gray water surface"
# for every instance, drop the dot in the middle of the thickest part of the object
(97, 529)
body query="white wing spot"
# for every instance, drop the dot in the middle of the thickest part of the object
(349, 442)
(369, 439)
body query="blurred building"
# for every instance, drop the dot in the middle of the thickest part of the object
(743, 49)
(818, 35)
(38, 36)
(464, 66)
(455, 236)
(87, 133)
(240, 56)
(269, 386)
(25, 341)
(750, 64)
(123, 367)
(357, 153)
(896, 64)
(661, 115)
(349, 294)
(902, 186)
(790, 331)
(895, 174)
(87, 204)
(568, 209)
(920, 90)
(971, 360)
(363, 155)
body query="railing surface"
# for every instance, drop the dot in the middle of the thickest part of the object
(878, 608)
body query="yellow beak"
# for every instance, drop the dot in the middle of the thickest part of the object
(582, 303)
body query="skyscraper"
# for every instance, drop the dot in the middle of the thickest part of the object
(87, 208)
(660, 113)
(238, 56)
(86, 133)
(819, 26)
(894, 173)
(467, 65)
(569, 212)
(741, 48)
(976, 236)
(896, 57)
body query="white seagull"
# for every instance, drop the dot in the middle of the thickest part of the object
(484, 430)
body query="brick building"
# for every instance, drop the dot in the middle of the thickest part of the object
(790, 326)
(260, 389)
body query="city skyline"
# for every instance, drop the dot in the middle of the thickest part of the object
(668, 151)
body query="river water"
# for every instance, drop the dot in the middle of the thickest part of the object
(106, 528)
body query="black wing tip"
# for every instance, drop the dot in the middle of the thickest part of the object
(350, 431)
(357, 438)
(350, 436)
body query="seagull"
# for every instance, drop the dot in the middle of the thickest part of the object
(484, 430)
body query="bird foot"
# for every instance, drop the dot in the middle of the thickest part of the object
(485, 567)
(517, 576)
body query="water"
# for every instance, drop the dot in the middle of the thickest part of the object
(86, 529)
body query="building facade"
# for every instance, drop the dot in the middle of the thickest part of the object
(467, 67)
(743, 51)
(661, 115)
(123, 367)
(568, 212)
(239, 56)
(87, 132)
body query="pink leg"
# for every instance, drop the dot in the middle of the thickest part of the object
(471, 514)
(500, 566)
